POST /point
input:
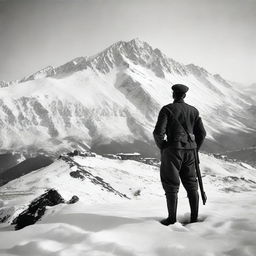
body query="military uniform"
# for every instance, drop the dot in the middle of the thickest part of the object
(185, 133)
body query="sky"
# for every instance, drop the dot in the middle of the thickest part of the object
(218, 35)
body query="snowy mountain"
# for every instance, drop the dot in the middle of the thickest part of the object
(109, 102)
(120, 205)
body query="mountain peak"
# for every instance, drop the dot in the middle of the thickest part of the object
(138, 43)
(134, 42)
(119, 54)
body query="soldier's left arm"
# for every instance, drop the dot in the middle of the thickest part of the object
(160, 129)
(199, 132)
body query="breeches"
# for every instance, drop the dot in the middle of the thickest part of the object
(176, 165)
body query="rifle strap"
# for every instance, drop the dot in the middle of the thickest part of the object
(179, 123)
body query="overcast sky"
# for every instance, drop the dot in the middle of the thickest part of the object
(218, 35)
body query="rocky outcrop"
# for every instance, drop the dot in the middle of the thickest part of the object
(37, 208)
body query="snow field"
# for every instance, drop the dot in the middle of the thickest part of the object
(132, 228)
(102, 224)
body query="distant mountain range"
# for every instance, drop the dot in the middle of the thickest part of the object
(109, 102)
(247, 155)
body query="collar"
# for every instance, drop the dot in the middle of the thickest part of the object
(179, 101)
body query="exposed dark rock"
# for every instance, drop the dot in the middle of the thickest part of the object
(76, 174)
(82, 173)
(137, 192)
(37, 208)
(73, 200)
(81, 153)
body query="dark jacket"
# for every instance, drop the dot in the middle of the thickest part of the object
(168, 126)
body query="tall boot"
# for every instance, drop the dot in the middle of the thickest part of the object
(193, 198)
(172, 201)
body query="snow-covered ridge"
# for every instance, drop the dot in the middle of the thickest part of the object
(48, 71)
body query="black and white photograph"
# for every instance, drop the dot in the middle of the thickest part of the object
(127, 128)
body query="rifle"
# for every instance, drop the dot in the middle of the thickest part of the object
(198, 173)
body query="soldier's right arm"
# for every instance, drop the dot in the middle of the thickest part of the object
(199, 132)
(160, 129)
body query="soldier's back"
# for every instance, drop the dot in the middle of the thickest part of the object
(186, 114)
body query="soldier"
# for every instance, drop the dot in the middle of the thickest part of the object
(181, 125)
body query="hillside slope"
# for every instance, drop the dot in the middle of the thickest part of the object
(102, 180)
